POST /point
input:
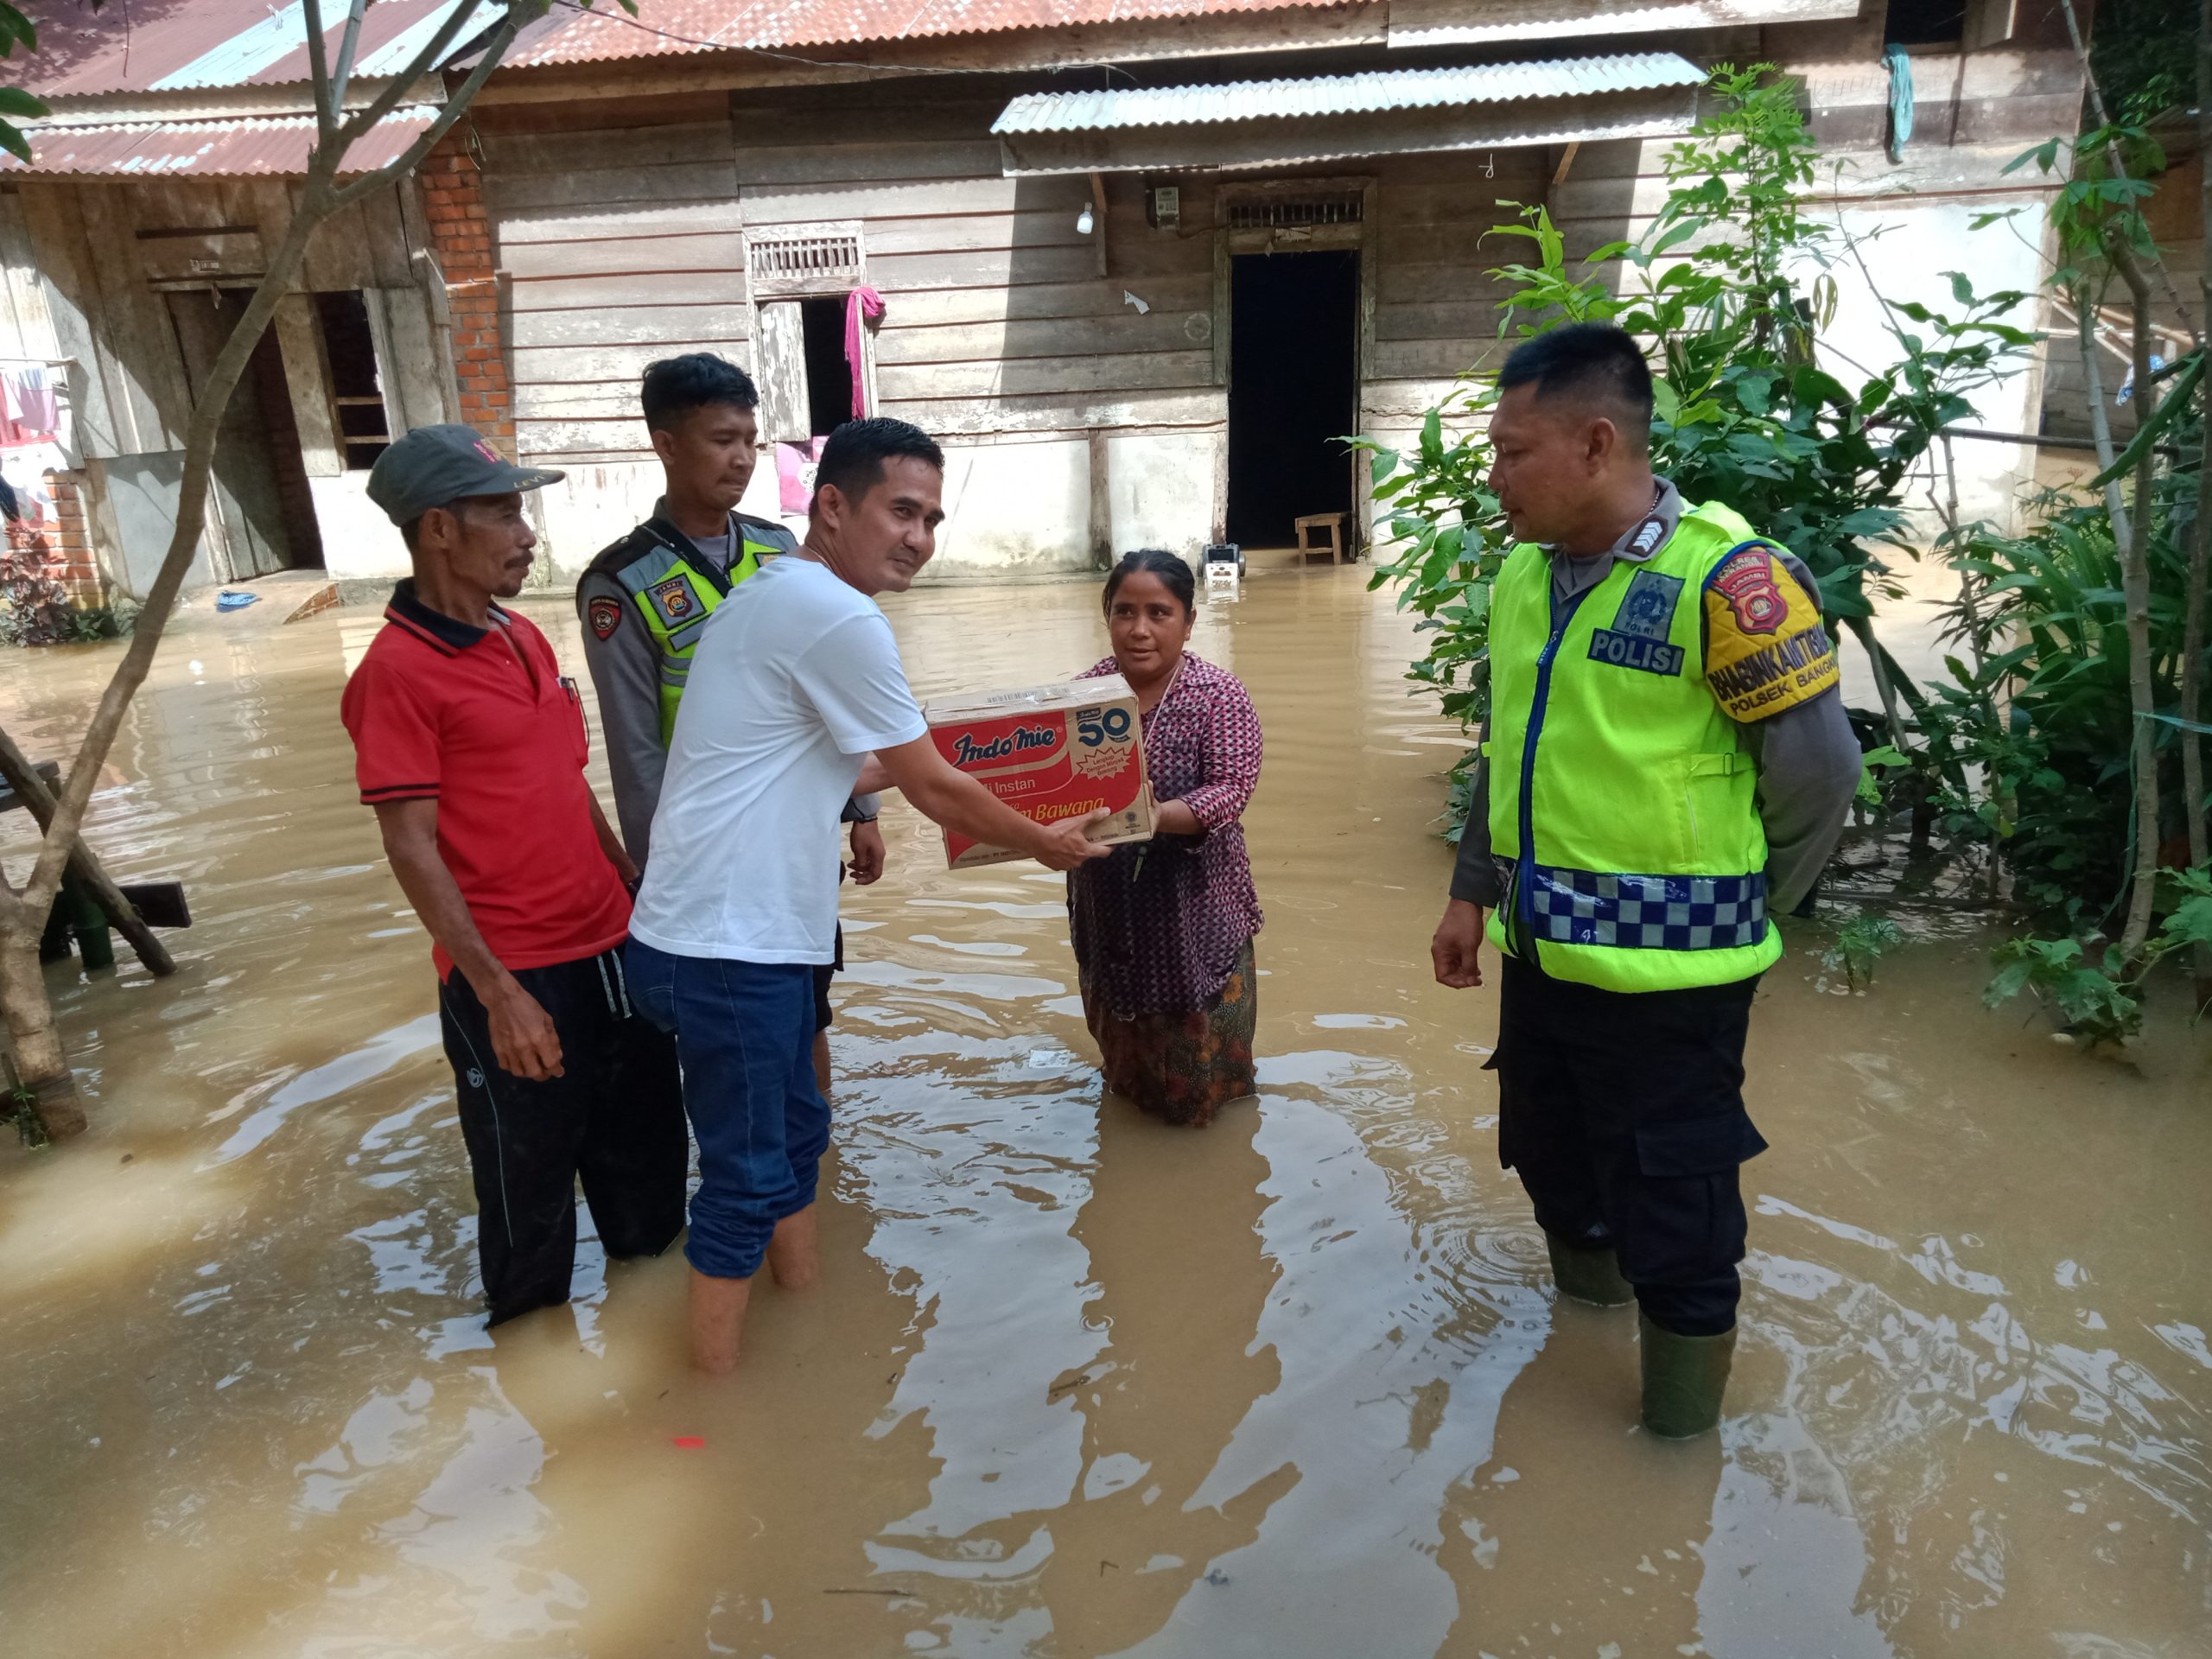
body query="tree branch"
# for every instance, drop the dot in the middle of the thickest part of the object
(319, 200)
(455, 107)
(318, 71)
(348, 49)
(428, 59)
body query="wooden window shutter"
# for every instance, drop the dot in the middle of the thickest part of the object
(784, 404)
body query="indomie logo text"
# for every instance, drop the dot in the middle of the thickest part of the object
(966, 750)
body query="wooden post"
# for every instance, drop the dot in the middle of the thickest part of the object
(1098, 216)
(23, 778)
(1102, 504)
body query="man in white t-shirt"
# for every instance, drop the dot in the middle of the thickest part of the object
(796, 680)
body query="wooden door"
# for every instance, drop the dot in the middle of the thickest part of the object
(785, 406)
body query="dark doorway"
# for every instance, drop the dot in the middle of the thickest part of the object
(829, 375)
(1294, 384)
(263, 514)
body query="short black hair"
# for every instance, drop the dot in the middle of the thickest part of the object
(1155, 561)
(676, 385)
(853, 458)
(1594, 360)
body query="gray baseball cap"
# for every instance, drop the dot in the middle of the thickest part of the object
(436, 466)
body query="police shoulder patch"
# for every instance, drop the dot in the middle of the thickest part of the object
(1765, 648)
(605, 615)
(674, 599)
(1747, 579)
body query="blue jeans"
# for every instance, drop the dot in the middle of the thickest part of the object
(745, 1036)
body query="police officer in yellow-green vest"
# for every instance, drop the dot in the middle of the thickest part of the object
(1666, 767)
(644, 602)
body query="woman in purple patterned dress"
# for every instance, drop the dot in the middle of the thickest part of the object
(1163, 929)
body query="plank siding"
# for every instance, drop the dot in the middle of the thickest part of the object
(997, 321)
(618, 244)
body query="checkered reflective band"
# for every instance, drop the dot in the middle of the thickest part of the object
(1649, 912)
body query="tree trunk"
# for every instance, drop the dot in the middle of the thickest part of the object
(2135, 586)
(42, 1066)
(41, 1069)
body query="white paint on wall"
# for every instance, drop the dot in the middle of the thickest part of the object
(359, 542)
(1159, 491)
(1015, 509)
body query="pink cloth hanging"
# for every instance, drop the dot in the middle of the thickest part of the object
(861, 303)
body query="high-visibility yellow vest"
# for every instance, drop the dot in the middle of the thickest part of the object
(675, 590)
(1618, 790)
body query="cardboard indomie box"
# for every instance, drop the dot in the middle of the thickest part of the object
(1050, 752)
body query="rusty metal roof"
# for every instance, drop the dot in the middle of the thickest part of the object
(1320, 95)
(569, 34)
(267, 148)
(200, 44)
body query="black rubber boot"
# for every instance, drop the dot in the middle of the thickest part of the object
(1588, 1275)
(1683, 1380)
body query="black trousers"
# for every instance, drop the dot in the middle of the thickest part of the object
(1624, 1116)
(614, 1117)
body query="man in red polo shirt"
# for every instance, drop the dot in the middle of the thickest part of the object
(471, 745)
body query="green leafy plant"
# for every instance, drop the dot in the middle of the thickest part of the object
(1860, 944)
(1729, 284)
(2100, 1000)
(15, 104)
(31, 1127)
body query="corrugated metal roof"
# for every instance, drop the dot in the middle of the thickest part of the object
(675, 27)
(1395, 89)
(206, 43)
(207, 148)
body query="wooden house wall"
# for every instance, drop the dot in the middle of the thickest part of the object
(100, 248)
(998, 322)
(1436, 314)
(615, 228)
(620, 229)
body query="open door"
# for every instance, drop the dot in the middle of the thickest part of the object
(263, 519)
(1293, 391)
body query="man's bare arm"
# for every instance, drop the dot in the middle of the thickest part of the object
(523, 1040)
(948, 795)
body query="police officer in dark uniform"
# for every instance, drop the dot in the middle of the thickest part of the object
(644, 602)
(1666, 767)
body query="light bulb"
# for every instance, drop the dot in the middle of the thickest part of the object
(1082, 220)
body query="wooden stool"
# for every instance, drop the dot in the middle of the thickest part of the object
(1333, 522)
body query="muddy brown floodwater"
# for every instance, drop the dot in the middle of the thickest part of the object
(1074, 1384)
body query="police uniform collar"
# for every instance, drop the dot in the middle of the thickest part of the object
(1647, 534)
(660, 517)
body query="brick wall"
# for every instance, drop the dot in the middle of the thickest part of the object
(61, 550)
(453, 197)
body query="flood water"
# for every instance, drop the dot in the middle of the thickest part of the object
(1074, 1384)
